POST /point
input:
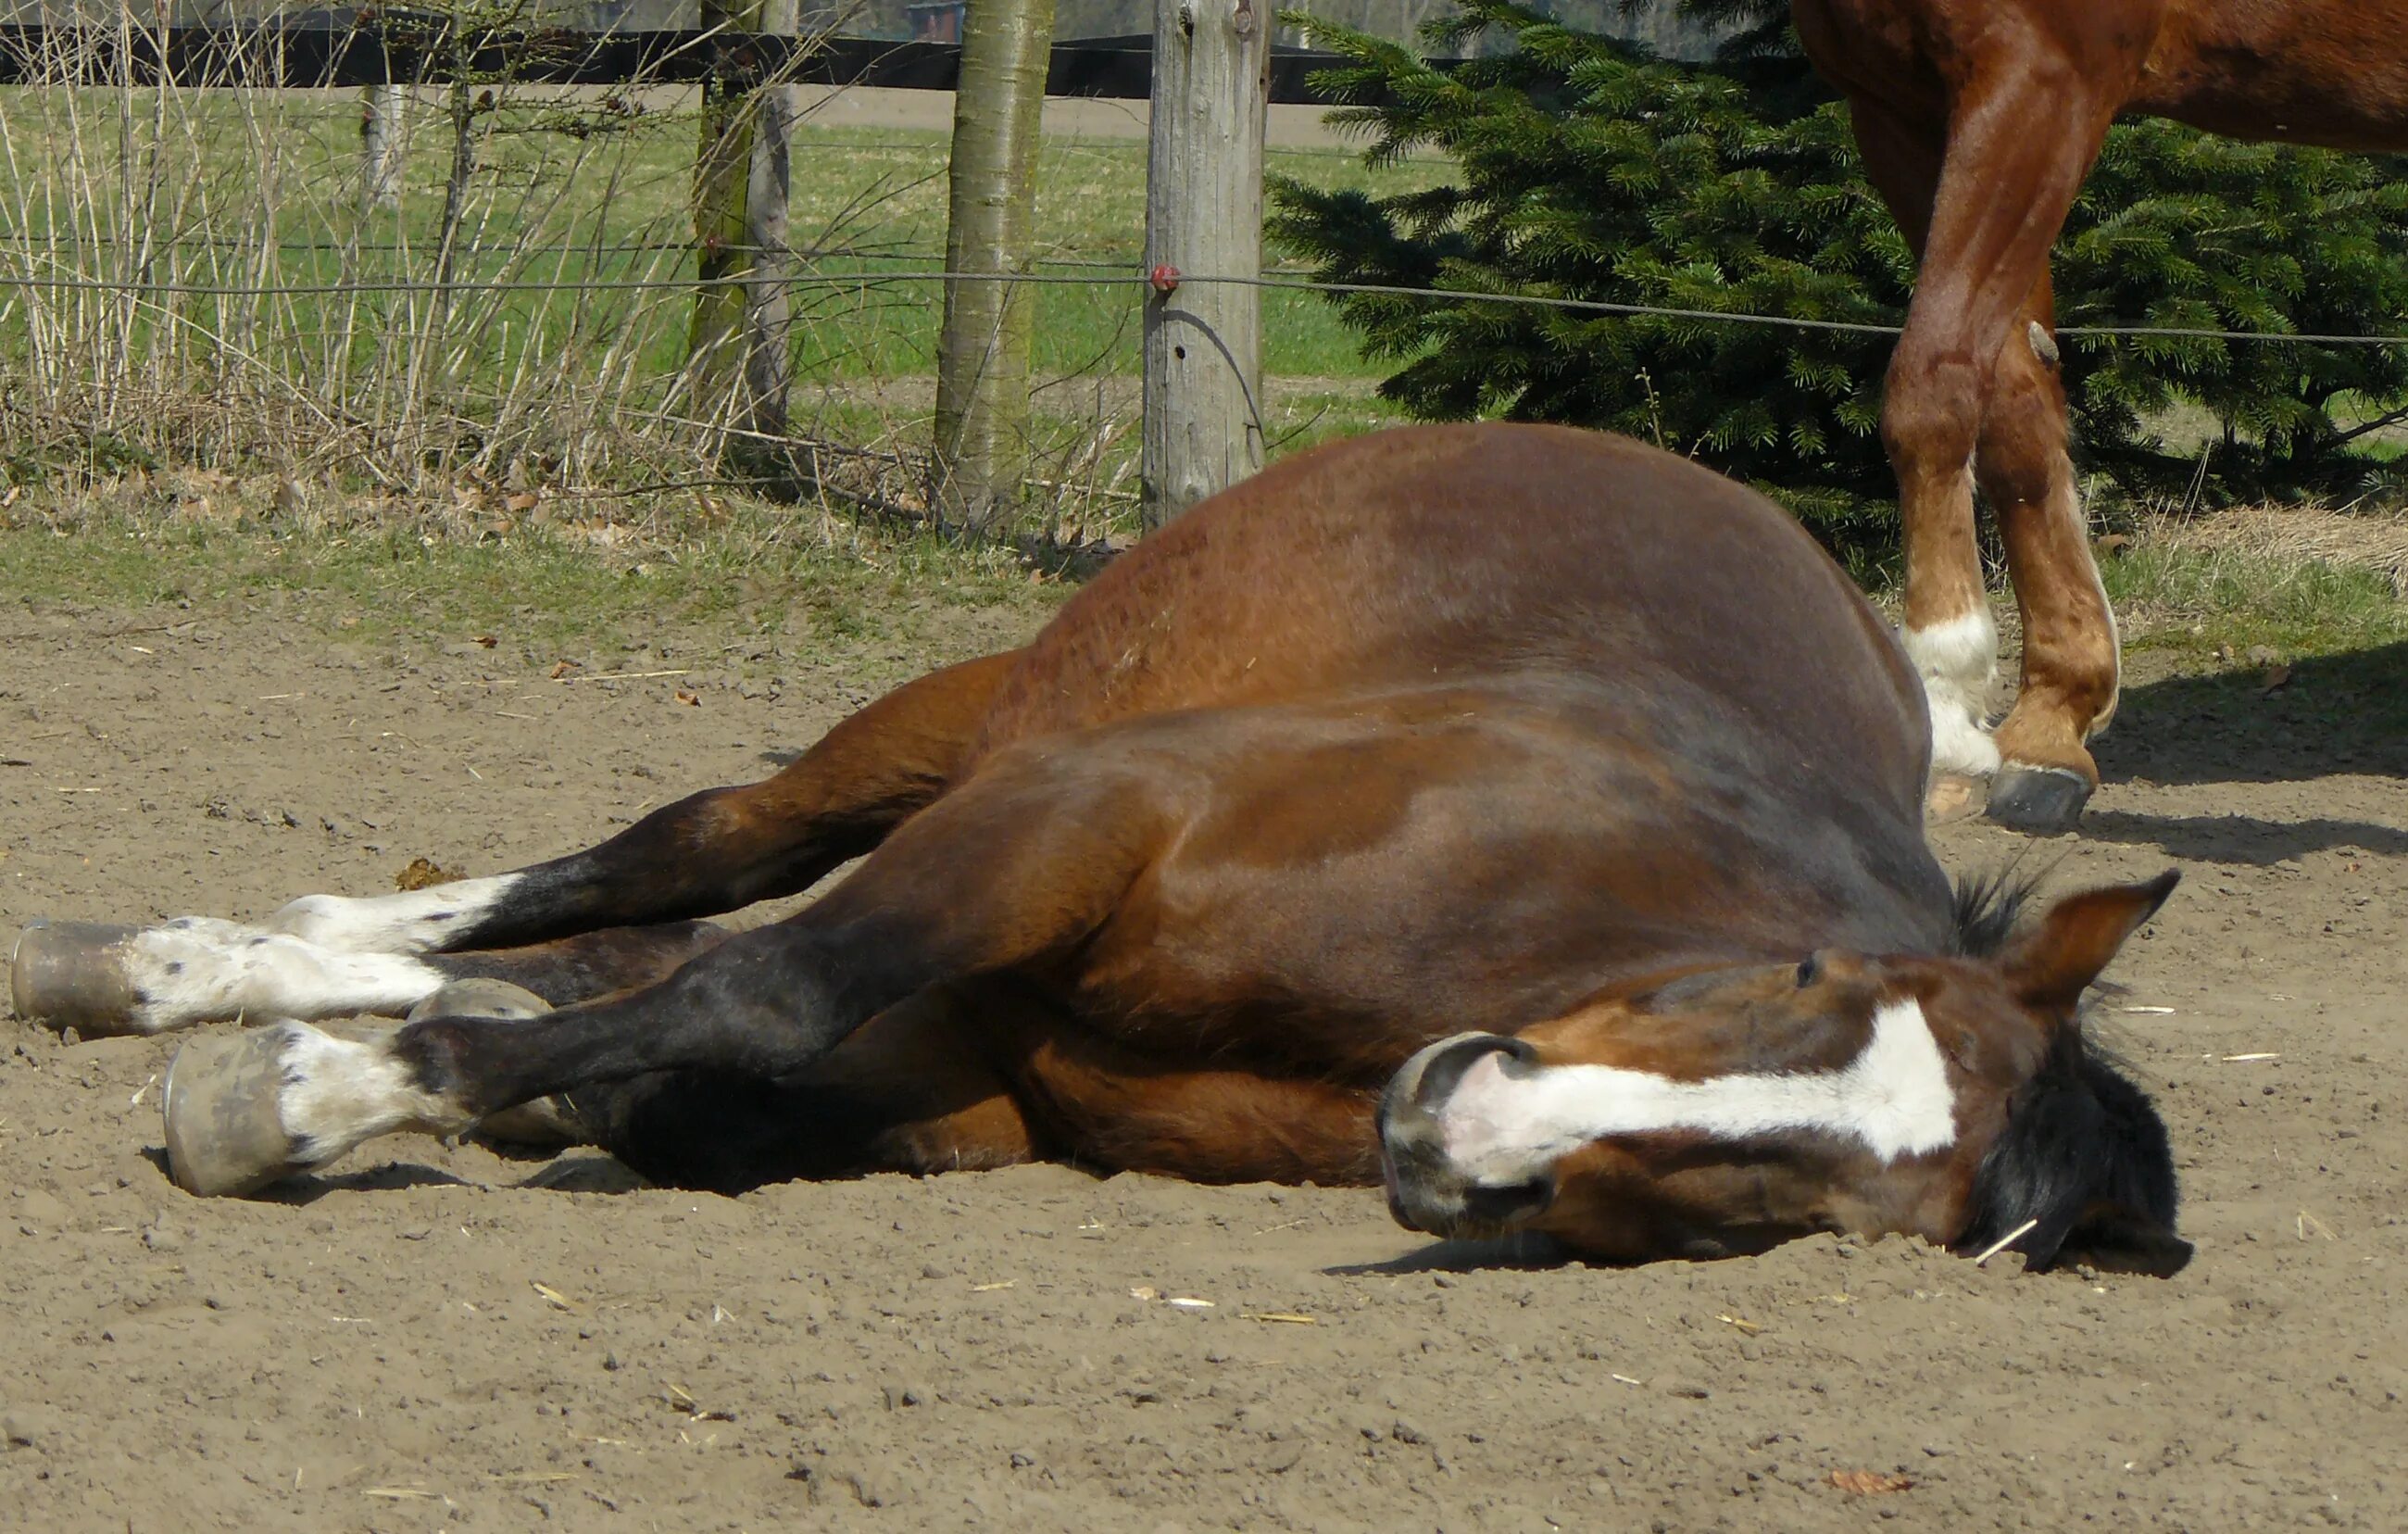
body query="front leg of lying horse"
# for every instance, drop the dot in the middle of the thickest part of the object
(1024, 862)
(289, 1097)
(195, 970)
(709, 853)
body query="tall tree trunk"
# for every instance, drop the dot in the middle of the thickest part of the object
(983, 354)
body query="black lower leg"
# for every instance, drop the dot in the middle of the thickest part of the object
(764, 1004)
(590, 965)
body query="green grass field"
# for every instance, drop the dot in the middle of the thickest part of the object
(226, 189)
(262, 190)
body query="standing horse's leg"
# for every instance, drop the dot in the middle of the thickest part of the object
(2069, 661)
(2023, 126)
(1946, 628)
(323, 955)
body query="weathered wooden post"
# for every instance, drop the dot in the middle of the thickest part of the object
(382, 107)
(982, 456)
(1204, 215)
(738, 366)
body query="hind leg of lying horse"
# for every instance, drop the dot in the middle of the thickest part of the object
(985, 1074)
(1020, 864)
(333, 955)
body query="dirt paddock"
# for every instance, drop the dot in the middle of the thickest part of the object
(431, 1337)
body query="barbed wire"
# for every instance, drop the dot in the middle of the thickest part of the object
(1127, 278)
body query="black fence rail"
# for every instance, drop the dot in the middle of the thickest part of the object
(327, 50)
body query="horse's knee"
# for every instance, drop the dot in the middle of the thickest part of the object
(2021, 459)
(1931, 412)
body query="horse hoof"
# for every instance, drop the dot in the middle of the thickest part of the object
(545, 1124)
(1952, 796)
(2038, 801)
(480, 997)
(72, 975)
(224, 1135)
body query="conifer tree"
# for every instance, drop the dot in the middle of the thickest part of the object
(1585, 169)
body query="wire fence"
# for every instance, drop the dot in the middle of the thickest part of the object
(1274, 281)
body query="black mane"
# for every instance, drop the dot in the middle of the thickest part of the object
(2085, 1158)
(1984, 910)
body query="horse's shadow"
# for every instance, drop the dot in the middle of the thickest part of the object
(563, 1174)
(1524, 1249)
(2322, 716)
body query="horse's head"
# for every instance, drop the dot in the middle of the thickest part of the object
(1952, 1098)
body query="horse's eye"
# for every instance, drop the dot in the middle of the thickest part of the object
(1810, 970)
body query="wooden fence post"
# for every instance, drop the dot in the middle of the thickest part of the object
(380, 144)
(738, 364)
(981, 456)
(1204, 215)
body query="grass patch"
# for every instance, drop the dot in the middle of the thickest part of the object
(560, 590)
(2219, 606)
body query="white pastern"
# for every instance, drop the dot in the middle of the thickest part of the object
(418, 922)
(197, 969)
(1506, 1120)
(1956, 661)
(337, 1094)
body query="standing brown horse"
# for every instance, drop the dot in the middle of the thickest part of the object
(1558, 786)
(1978, 121)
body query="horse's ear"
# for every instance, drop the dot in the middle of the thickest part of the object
(2051, 963)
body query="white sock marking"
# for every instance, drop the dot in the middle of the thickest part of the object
(337, 1094)
(1956, 660)
(413, 922)
(197, 969)
(1506, 1120)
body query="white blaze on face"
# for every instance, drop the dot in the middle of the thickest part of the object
(1506, 1121)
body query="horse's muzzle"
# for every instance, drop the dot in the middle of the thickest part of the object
(1426, 1190)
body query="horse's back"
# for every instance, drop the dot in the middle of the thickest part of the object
(1458, 552)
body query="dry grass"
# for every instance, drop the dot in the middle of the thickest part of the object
(2375, 541)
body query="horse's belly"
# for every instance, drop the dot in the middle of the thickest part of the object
(2333, 74)
(1347, 890)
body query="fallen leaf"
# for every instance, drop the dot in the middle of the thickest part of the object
(1869, 1482)
(488, 640)
(692, 700)
(523, 501)
(562, 669)
(1750, 1328)
(1145, 1291)
(2277, 676)
(423, 874)
(555, 1298)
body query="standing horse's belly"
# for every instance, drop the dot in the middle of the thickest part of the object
(2333, 73)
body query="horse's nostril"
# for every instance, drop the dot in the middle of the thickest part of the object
(1504, 1202)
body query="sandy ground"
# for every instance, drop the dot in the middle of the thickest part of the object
(433, 1338)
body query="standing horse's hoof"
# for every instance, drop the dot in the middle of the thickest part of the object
(72, 975)
(2038, 801)
(545, 1124)
(225, 1134)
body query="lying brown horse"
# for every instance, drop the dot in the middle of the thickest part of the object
(1560, 788)
(1978, 121)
